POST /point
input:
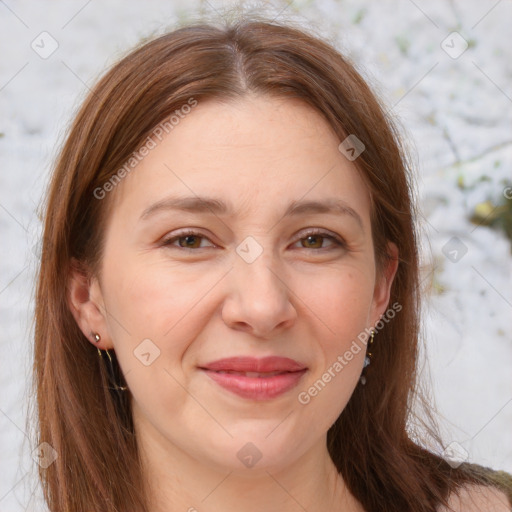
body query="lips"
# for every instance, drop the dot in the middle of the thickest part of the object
(252, 364)
(252, 375)
(256, 379)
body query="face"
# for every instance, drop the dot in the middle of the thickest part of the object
(244, 235)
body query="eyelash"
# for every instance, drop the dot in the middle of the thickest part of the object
(338, 242)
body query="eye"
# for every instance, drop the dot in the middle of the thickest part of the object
(186, 240)
(314, 240)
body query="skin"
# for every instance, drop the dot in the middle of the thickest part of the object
(302, 298)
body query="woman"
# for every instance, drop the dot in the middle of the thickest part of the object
(227, 306)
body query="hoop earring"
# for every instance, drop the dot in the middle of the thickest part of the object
(367, 358)
(110, 369)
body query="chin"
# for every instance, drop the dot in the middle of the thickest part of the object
(249, 453)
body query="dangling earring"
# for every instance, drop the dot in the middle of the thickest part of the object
(367, 358)
(111, 373)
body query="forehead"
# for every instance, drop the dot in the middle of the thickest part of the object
(258, 153)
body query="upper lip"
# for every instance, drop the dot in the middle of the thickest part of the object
(253, 364)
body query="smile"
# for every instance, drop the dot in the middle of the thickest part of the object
(255, 378)
(256, 385)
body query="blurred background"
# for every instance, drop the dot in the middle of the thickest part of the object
(443, 69)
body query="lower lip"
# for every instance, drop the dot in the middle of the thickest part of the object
(257, 388)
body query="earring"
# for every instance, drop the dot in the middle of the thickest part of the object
(111, 371)
(367, 358)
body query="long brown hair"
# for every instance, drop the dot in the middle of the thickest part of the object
(89, 426)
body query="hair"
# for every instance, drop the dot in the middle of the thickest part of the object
(89, 424)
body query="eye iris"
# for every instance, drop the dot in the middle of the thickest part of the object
(189, 241)
(317, 241)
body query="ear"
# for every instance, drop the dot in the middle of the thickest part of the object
(383, 284)
(85, 301)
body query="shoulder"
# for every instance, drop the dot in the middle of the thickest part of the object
(478, 498)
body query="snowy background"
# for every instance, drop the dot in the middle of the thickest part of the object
(453, 96)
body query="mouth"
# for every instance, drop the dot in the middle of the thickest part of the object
(256, 379)
(252, 375)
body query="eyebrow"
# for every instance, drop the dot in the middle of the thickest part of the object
(195, 204)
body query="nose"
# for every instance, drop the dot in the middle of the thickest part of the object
(259, 299)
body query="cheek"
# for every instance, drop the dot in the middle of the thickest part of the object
(153, 299)
(341, 303)
(154, 314)
(340, 300)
